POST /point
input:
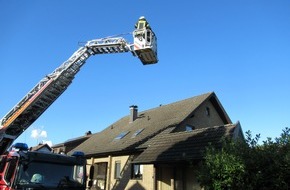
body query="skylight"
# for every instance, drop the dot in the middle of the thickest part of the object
(137, 132)
(121, 135)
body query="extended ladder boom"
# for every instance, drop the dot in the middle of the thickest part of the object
(15, 122)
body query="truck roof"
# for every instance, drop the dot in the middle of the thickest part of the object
(51, 157)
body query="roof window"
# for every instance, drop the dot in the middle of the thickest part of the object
(137, 132)
(121, 135)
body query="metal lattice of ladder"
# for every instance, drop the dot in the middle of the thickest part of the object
(52, 86)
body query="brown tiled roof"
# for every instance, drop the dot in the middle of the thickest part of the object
(152, 122)
(183, 146)
(71, 141)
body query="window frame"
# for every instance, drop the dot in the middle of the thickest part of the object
(117, 173)
(139, 175)
(10, 170)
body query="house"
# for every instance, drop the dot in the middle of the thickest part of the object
(41, 148)
(158, 148)
(67, 146)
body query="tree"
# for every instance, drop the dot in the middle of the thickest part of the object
(221, 169)
(247, 164)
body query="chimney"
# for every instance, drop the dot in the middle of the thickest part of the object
(88, 133)
(133, 113)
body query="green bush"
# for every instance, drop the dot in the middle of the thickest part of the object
(248, 164)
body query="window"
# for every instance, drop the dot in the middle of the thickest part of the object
(137, 132)
(121, 135)
(137, 171)
(207, 111)
(148, 37)
(51, 175)
(189, 128)
(117, 169)
(100, 175)
(2, 163)
(10, 171)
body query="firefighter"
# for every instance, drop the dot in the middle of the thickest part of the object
(142, 23)
(37, 178)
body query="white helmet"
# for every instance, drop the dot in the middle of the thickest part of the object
(36, 178)
(142, 17)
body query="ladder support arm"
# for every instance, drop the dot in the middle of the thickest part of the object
(41, 96)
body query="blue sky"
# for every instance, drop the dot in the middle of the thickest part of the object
(238, 49)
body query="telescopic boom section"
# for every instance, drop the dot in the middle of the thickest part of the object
(16, 121)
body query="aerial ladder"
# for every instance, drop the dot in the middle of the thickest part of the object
(48, 89)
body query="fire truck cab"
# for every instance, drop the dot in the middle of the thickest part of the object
(22, 169)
